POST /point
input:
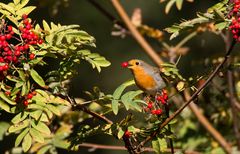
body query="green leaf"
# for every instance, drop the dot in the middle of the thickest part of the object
(42, 127)
(127, 98)
(26, 10)
(4, 106)
(37, 78)
(54, 109)
(44, 149)
(20, 137)
(222, 25)
(117, 93)
(8, 8)
(19, 117)
(169, 6)
(46, 26)
(16, 2)
(120, 133)
(7, 99)
(37, 136)
(19, 126)
(115, 106)
(36, 114)
(27, 142)
(159, 145)
(3, 129)
(179, 4)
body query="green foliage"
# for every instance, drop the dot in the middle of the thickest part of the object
(215, 16)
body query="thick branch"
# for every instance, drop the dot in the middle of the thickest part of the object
(194, 96)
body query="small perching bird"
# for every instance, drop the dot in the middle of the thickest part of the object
(147, 77)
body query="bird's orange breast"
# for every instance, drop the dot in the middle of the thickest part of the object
(143, 80)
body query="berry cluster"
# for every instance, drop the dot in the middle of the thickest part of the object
(235, 24)
(14, 49)
(154, 108)
(28, 97)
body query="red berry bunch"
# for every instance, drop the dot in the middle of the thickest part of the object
(235, 24)
(153, 108)
(14, 49)
(163, 98)
(28, 97)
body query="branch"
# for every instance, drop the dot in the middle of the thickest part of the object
(194, 96)
(112, 147)
(232, 99)
(138, 37)
(84, 109)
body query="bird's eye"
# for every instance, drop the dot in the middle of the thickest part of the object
(137, 63)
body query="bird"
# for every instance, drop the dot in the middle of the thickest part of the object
(148, 78)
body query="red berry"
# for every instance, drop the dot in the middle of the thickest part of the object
(17, 53)
(2, 38)
(5, 67)
(24, 16)
(7, 93)
(26, 46)
(127, 134)
(25, 103)
(31, 56)
(150, 105)
(153, 111)
(158, 111)
(40, 41)
(124, 64)
(9, 28)
(1, 68)
(29, 96)
(8, 36)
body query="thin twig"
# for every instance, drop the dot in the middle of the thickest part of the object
(84, 109)
(194, 96)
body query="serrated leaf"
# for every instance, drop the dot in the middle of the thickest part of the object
(54, 109)
(120, 133)
(19, 117)
(3, 129)
(37, 136)
(46, 26)
(179, 4)
(42, 127)
(7, 99)
(169, 6)
(159, 145)
(20, 137)
(26, 10)
(37, 78)
(4, 106)
(19, 126)
(44, 149)
(27, 142)
(16, 2)
(127, 98)
(117, 93)
(36, 114)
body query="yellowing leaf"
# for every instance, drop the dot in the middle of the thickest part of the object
(27, 142)
(20, 137)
